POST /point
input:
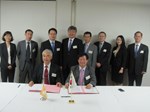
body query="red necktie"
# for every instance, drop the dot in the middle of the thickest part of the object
(46, 75)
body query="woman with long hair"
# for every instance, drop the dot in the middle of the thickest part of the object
(118, 61)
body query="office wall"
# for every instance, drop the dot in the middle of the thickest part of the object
(94, 15)
(115, 18)
(17, 16)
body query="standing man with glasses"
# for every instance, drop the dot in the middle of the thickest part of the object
(137, 59)
(103, 49)
(71, 48)
(27, 51)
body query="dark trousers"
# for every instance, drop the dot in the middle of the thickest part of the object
(101, 77)
(7, 74)
(25, 75)
(136, 78)
(66, 72)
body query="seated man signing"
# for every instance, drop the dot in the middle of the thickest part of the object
(83, 74)
(47, 72)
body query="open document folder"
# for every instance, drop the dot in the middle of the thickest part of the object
(82, 90)
(49, 88)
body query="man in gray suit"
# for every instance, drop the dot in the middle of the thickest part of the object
(27, 51)
(90, 49)
(83, 74)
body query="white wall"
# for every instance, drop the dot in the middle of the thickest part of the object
(115, 18)
(17, 16)
(112, 16)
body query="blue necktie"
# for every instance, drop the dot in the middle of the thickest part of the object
(70, 44)
(53, 46)
(136, 50)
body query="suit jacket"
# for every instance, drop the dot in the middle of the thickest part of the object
(54, 74)
(89, 75)
(92, 54)
(139, 64)
(21, 53)
(4, 55)
(119, 60)
(70, 58)
(57, 53)
(103, 55)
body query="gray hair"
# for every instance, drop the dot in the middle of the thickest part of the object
(47, 51)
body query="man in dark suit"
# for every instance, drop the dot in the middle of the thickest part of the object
(90, 49)
(47, 72)
(54, 46)
(27, 51)
(71, 48)
(137, 58)
(103, 49)
(83, 74)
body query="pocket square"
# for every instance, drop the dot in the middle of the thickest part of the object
(34, 50)
(141, 51)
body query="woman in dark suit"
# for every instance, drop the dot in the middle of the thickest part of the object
(8, 57)
(118, 61)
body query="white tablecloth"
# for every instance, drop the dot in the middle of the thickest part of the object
(109, 99)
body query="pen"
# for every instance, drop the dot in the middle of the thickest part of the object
(65, 96)
(18, 85)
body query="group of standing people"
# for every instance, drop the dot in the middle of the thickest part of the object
(88, 61)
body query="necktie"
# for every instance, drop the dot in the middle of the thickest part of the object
(86, 47)
(53, 46)
(70, 43)
(136, 50)
(100, 46)
(28, 52)
(81, 78)
(46, 75)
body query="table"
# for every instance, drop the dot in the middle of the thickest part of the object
(109, 99)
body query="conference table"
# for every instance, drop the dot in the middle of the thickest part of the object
(15, 97)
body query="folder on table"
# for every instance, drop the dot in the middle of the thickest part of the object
(82, 90)
(49, 89)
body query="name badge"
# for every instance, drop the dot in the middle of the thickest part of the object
(90, 52)
(54, 75)
(75, 47)
(58, 49)
(87, 77)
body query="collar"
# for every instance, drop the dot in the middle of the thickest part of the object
(47, 65)
(71, 39)
(28, 41)
(82, 68)
(52, 41)
(137, 44)
(102, 42)
(87, 44)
